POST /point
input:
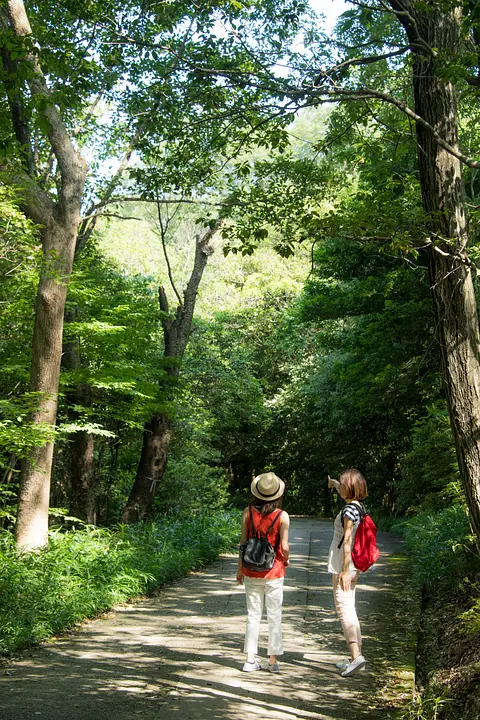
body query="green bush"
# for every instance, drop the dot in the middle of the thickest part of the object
(190, 485)
(86, 572)
(430, 479)
(440, 544)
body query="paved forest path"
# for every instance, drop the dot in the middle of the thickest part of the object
(178, 654)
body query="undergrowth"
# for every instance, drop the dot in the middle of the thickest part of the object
(85, 572)
(446, 568)
(440, 545)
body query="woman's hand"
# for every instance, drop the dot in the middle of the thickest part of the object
(333, 484)
(345, 580)
(240, 576)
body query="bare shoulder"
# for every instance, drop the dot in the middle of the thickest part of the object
(285, 519)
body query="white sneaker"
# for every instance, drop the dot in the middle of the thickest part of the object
(251, 666)
(354, 666)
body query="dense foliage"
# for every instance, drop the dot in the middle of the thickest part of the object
(306, 377)
(314, 344)
(445, 578)
(85, 572)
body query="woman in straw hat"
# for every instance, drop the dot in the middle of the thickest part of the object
(265, 509)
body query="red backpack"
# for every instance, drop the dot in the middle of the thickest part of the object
(364, 551)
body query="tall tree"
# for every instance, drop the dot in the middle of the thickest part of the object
(434, 34)
(59, 218)
(87, 52)
(157, 433)
(434, 29)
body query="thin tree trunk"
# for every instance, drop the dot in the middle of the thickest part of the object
(157, 432)
(82, 476)
(60, 219)
(81, 454)
(157, 435)
(443, 201)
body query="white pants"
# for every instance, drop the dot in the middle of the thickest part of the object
(346, 611)
(256, 589)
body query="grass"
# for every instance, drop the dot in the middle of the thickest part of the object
(427, 709)
(86, 572)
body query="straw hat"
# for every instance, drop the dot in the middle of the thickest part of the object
(267, 486)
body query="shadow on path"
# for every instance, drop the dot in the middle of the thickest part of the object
(179, 652)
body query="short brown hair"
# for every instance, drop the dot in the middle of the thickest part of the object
(356, 485)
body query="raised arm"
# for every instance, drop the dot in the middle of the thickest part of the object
(332, 483)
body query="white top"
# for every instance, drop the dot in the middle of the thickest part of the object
(335, 554)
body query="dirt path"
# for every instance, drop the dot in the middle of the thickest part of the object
(178, 654)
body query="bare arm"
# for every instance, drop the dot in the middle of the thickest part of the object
(347, 554)
(284, 546)
(243, 538)
(332, 483)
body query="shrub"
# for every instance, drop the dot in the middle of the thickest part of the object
(440, 544)
(190, 485)
(86, 572)
(430, 479)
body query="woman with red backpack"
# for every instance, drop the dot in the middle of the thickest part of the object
(264, 525)
(352, 487)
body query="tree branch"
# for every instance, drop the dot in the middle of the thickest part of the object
(170, 201)
(114, 215)
(367, 60)
(89, 222)
(341, 94)
(89, 112)
(163, 232)
(203, 250)
(72, 165)
(163, 300)
(14, 96)
(404, 10)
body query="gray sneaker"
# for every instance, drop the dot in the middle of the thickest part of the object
(274, 668)
(354, 666)
(343, 664)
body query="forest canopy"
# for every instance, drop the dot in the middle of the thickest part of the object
(234, 241)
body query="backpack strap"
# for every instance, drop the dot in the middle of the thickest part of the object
(358, 506)
(264, 535)
(273, 521)
(252, 523)
(271, 526)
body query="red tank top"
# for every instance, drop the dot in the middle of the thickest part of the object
(262, 523)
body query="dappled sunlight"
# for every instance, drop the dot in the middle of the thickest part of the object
(180, 652)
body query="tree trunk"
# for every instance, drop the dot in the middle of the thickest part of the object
(157, 436)
(443, 201)
(82, 474)
(157, 433)
(81, 453)
(34, 495)
(60, 217)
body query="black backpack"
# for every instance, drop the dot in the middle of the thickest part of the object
(257, 553)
